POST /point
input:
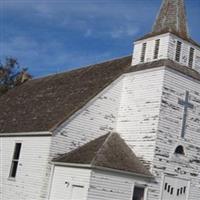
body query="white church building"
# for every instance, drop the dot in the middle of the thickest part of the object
(125, 129)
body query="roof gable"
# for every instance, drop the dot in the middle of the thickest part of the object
(108, 151)
(42, 104)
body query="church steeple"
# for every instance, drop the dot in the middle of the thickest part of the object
(169, 39)
(172, 18)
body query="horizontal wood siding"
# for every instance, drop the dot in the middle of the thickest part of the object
(63, 180)
(185, 51)
(139, 111)
(167, 50)
(31, 172)
(97, 118)
(150, 48)
(112, 186)
(169, 132)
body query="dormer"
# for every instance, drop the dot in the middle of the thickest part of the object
(169, 39)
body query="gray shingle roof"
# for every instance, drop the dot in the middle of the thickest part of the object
(108, 151)
(42, 104)
(172, 18)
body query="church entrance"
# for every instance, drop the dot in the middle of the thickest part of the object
(175, 189)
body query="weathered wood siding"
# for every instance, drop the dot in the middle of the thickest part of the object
(167, 50)
(169, 134)
(97, 118)
(139, 111)
(149, 55)
(113, 186)
(31, 172)
(129, 106)
(64, 178)
(185, 49)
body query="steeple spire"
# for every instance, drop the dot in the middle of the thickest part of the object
(172, 18)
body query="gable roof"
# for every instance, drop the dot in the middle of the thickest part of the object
(172, 18)
(108, 151)
(41, 104)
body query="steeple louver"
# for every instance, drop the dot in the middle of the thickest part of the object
(172, 18)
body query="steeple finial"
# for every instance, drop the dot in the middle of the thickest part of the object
(172, 18)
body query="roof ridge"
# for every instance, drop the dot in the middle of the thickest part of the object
(105, 141)
(82, 67)
(79, 147)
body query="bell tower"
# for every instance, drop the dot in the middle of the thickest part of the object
(169, 39)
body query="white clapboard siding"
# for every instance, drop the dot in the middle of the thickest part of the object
(65, 178)
(169, 131)
(149, 54)
(105, 185)
(129, 106)
(185, 49)
(97, 118)
(31, 172)
(139, 111)
(167, 50)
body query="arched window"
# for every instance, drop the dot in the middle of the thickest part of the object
(179, 150)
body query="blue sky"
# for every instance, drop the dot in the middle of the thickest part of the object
(58, 35)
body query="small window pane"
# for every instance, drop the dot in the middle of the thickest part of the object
(14, 164)
(14, 169)
(138, 193)
(17, 151)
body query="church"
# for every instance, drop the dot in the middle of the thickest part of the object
(125, 129)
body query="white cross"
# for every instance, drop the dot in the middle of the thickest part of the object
(186, 105)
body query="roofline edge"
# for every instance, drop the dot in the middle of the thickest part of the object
(40, 133)
(89, 166)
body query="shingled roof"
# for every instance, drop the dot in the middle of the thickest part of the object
(42, 104)
(108, 151)
(172, 18)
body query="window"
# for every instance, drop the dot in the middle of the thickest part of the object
(144, 46)
(179, 150)
(191, 57)
(156, 50)
(178, 51)
(138, 193)
(15, 160)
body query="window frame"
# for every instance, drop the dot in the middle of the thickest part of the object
(15, 160)
(139, 186)
(176, 152)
